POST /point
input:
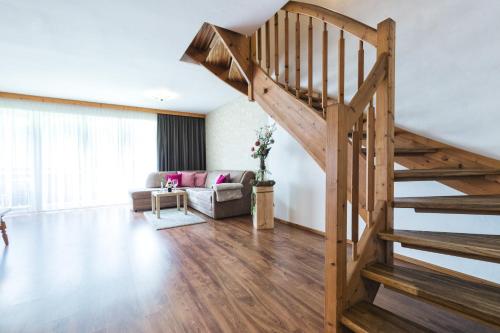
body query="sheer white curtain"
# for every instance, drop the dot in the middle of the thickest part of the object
(55, 156)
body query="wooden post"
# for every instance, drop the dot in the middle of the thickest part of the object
(324, 93)
(341, 66)
(268, 48)
(384, 129)
(310, 62)
(297, 57)
(287, 78)
(263, 214)
(370, 160)
(276, 49)
(356, 148)
(336, 216)
(252, 47)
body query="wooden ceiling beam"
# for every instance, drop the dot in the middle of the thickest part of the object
(96, 105)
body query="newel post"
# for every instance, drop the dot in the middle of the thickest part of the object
(336, 216)
(384, 128)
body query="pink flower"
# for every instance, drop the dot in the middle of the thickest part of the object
(257, 143)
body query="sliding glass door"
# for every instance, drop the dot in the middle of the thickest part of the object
(56, 156)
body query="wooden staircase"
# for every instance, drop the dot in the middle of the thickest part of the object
(357, 144)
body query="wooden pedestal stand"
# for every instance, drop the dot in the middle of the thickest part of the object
(263, 214)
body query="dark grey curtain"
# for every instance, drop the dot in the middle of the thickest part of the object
(181, 143)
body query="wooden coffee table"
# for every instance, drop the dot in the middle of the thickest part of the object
(156, 195)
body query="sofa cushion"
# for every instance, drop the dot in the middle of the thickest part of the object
(175, 177)
(222, 179)
(187, 178)
(200, 195)
(154, 178)
(199, 179)
(234, 176)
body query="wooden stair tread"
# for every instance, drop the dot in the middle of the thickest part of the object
(475, 300)
(365, 317)
(482, 247)
(433, 174)
(401, 151)
(473, 204)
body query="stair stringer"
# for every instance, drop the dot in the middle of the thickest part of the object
(295, 116)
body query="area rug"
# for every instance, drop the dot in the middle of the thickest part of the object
(172, 218)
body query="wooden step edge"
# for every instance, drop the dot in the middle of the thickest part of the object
(455, 211)
(424, 265)
(464, 250)
(368, 318)
(402, 151)
(433, 205)
(438, 174)
(444, 299)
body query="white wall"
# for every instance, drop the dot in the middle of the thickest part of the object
(230, 133)
(300, 183)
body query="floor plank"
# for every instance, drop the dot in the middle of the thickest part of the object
(107, 270)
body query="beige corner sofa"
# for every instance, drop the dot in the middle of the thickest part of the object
(213, 200)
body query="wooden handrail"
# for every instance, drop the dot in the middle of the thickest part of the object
(365, 93)
(358, 29)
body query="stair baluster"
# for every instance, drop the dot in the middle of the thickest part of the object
(276, 49)
(297, 57)
(310, 62)
(259, 41)
(324, 90)
(370, 162)
(268, 48)
(286, 52)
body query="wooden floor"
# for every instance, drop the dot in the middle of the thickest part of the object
(108, 270)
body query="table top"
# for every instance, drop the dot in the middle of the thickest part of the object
(165, 193)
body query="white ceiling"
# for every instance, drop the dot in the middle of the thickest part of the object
(122, 52)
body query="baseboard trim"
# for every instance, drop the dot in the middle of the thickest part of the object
(443, 270)
(298, 226)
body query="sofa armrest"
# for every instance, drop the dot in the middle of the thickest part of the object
(246, 180)
(227, 186)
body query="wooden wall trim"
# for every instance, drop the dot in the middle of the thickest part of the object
(298, 226)
(97, 105)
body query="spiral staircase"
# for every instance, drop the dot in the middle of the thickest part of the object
(357, 143)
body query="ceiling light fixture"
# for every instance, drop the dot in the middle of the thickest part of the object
(162, 94)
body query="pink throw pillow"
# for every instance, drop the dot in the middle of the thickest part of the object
(200, 179)
(187, 179)
(222, 179)
(173, 177)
